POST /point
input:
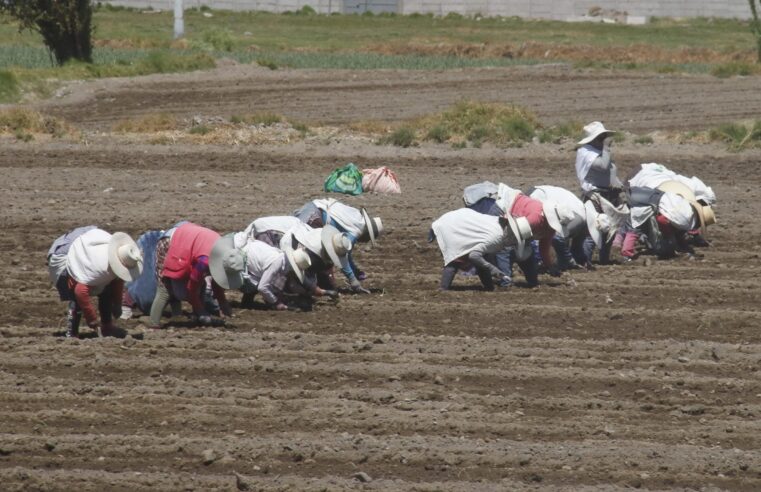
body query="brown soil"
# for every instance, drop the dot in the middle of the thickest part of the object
(553, 388)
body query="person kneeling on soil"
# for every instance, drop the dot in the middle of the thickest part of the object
(545, 219)
(701, 197)
(588, 228)
(326, 247)
(268, 270)
(194, 253)
(91, 262)
(662, 218)
(356, 223)
(466, 237)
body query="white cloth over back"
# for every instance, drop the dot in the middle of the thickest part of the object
(88, 260)
(652, 175)
(349, 218)
(463, 231)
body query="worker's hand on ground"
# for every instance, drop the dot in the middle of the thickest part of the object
(225, 309)
(281, 307)
(333, 294)
(554, 271)
(203, 320)
(360, 290)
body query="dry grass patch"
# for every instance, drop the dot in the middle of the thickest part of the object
(149, 123)
(25, 124)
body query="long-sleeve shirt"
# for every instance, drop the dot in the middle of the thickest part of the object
(83, 294)
(595, 169)
(533, 211)
(267, 269)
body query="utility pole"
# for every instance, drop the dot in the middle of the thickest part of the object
(179, 23)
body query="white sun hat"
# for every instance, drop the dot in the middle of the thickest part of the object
(125, 257)
(335, 243)
(592, 131)
(520, 231)
(299, 261)
(558, 216)
(374, 226)
(227, 263)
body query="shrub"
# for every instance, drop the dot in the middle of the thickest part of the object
(401, 137)
(20, 121)
(200, 130)
(263, 118)
(643, 140)
(555, 134)
(482, 122)
(219, 39)
(438, 133)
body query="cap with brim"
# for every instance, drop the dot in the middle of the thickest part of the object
(336, 244)
(125, 257)
(299, 261)
(374, 226)
(227, 263)
(551, 213)
(592, 131)
(685, 192)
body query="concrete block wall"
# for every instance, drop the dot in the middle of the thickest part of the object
(540, 9)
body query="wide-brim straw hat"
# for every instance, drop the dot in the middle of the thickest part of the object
(125, 257)
(558, 216)
(522, 234)
(335, 243)
(705, 213)
(227, 263)
(592, 131)
(374, 226)
(299, 261)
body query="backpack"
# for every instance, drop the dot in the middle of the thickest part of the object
(381, 180)
(347, 179)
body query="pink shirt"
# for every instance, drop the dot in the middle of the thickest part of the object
(532, 210)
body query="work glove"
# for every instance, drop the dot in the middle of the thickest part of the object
(206, 320)
(357, 288)
(333, 294)
(281, 307)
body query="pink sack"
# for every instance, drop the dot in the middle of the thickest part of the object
(381, 180)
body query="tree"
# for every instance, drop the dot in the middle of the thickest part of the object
(65, 25)
(755, 27)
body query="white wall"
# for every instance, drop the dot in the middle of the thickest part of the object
(545, 9)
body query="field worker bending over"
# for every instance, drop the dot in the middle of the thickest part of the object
(594, 164)
(466, 237)
(267, 271)
(702, 197)
(663, 218)
(326, 247)
(91, 262)
(356, 223)
(194, 253)
(267, 229)
(544, 219)
(588, 228)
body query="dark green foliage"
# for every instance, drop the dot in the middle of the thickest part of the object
(65, 25)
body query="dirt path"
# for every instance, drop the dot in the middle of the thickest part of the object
(547, 389)
(638, 102)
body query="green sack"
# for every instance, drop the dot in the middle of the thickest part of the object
(347, 179)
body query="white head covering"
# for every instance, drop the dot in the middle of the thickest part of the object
(678, 211)
(592, 131)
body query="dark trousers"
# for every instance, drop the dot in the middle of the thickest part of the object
(449, 272)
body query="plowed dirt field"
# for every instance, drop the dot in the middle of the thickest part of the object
(643, 375)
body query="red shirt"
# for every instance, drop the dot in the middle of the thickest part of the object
(532, 210)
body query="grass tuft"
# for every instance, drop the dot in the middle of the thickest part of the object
(565, 131)
(737, 135)
(643, 140)
(482, 122)
(733, 69)
(262, 118)
(401, 137)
